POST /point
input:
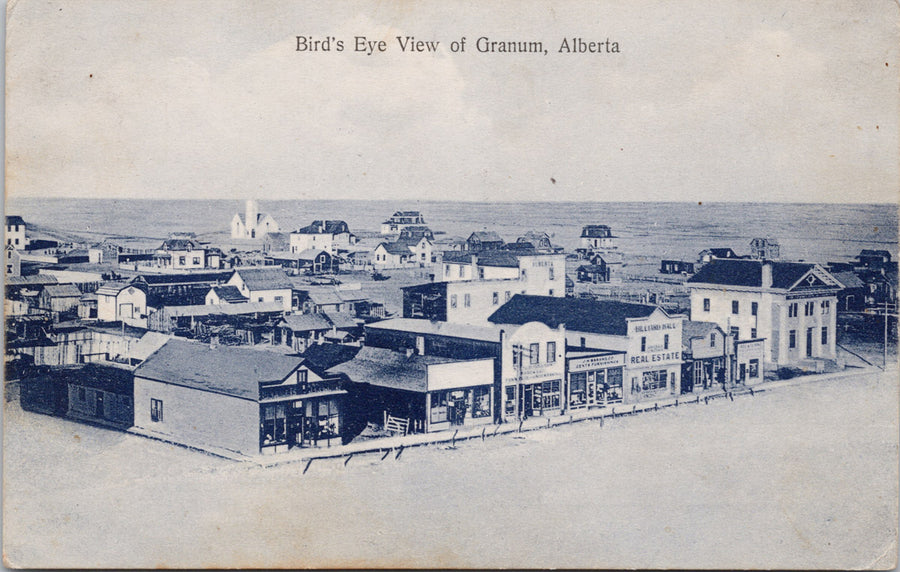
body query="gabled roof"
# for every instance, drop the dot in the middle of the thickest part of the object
(113, 288)
(62, 291)
(33, 280)
(325, 227)
(848, 279)
(14, 219)
(326, 356)
(720, 252)
(387, 368)
(691, 329)
(341, 320)
(228, 370)
(180, 244)
(264, 278)
(608, 317)
(398, 247)
(229, 294)
(305, 322)
(743, 272)
(485, 236)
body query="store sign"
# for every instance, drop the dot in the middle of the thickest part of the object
(655, 358)
(596, 362)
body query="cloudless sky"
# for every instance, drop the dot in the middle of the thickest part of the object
(789, 101)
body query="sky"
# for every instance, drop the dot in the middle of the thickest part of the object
(781, 101)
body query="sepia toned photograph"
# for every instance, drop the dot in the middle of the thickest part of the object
(540, 284)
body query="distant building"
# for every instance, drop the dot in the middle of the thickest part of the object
(58, 298)
(263, 285)
(482, 240)
(404, 252)
(711, 254)
(332, 236)
(599, 243)
(676, 267)
(277, 242)
(121, 301)
(401, 220)
(765, 249)
(540, 241)
(15, 232)
(13, 261)
(793, 306)
(873, 259)
(187, 254)
(242, 400)
(254, 224)
(593, 273)
(225, 295)
(416, 232)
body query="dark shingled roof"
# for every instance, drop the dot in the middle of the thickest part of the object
(14, 219)
(387, 368)
(229, 294)
(742, 272)
(229, 370)
(607, 317)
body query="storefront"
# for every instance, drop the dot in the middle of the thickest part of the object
(749, 362)
(457, 407)
(654, 360)
(533, 370)
(594, 378)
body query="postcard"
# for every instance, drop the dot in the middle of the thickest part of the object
(544, 284)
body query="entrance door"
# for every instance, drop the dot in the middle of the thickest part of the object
(809, 342)
(527, 399)
(98, 410)
(457, 407)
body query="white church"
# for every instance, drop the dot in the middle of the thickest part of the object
(254, 224)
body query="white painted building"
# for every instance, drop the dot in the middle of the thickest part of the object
(254, 224)
(119, 301)
(15, 232)
(263, 285)
(791, 305)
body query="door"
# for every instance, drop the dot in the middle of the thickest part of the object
(98, 410)
(457, 407)
(809, 342)
(742, 373)
(527, 398)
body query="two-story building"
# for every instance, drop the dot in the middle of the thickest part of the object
(237, 399)
(791, 305)
(263, 285)
(15, 232)
(649, 336)
(401, 220)
(332, 236)
(121, 301)
(187, 254)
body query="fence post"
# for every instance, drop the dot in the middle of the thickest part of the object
(386, 453)
(350, 456)
(519, 430)
(306, 468)
(483, 429)
(453, 440)
(400, 452)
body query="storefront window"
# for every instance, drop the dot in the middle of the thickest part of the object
(481, 402)
(439, 407)
(614, 385)
(546, 395)
(654, 380)
(754, 368)
(578, 383)
(274, 424)
(509, 403)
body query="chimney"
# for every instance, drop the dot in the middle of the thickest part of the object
(767, 274)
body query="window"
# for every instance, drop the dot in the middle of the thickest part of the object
(181, 260)
(447, 269)
(712, 340)
(506, 296)
(302, 376)
(735, 332)
(552, 273)
(460, 270)
(754, 308)
(754, 368)
(279, 298)
(467, 300)
(826, 306)
(809, 309)
(792, 310)
(666, 342)
(752, 333)
(495, 298)
(509, 404)
(792, 339)
(654, 380)
(546, 395)
(452, 300)
(259, 299)
(481, 273)
(706, 304)
(156, 410)
(550, 292)
(524, 274)
(274, 425)
(535, 352)
(551, 352)
(735, 307)
(824, 336)
(583, 342)
(481, 401)
(439, 406)
(196, 260)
